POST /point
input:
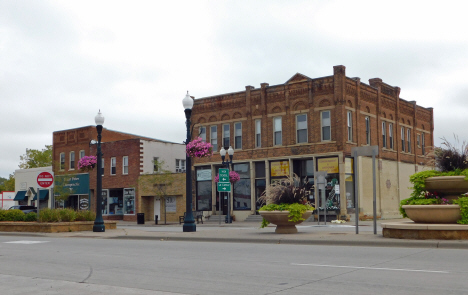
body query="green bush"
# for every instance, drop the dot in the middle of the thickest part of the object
(2, 215)
(67, 215)
(14, 215)
(49, 215)
(85, 215)
(31, 216)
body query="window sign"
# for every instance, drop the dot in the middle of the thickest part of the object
(203, 174)
(328, 164)
(279, 168)
(104, 195)
(129, 201)
(171, 204)
(83, 202)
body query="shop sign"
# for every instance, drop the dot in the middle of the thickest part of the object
(349, 165)
(84, 203)
(330, 165)
(78, 184)
(279, 168)
(171, 204)
(203, 175)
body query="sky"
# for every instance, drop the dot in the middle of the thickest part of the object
(62, 61)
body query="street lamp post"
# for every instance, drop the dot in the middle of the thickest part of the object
(99, 222)
(226, 164)
(189, 222)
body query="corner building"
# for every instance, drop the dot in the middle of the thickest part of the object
(307, 125)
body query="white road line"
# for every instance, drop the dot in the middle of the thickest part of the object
(372, 268)
(26, 242)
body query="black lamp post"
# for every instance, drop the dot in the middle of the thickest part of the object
(226, 164)
(99, 222)
(189, 222)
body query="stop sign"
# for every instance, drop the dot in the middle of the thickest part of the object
(45, 179)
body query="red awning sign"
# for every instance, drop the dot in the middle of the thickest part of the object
(45, 179)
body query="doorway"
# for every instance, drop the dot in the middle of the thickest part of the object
(224, 203)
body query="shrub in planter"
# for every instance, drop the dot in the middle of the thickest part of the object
(85, 215)
(49, 215)
(2, 215)
(14, 215)
(31, 216)
(67, 215)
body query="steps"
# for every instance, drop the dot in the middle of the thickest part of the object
(254, 218)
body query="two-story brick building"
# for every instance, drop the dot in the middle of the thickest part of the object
(126, 158)
(307, 125)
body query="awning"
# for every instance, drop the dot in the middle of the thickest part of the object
(43, 195)
(20, 196)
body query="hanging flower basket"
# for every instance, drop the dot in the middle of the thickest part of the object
(199, 149)
(87, 163)
(233, 177)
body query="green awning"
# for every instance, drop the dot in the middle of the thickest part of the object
(43, 195)
(20, 196)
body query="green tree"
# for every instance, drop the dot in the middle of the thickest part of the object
(36, 158)
(7, 184)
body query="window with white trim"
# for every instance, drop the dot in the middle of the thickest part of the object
(180, 165)
(326, 125)
(112, 166)
(423, 144)
(301, 128)
(214, 137)
(102, 166)
(62, 161)
(277, 131)
(418, 140)
(350, 125)
(384, 135)
(390, 135)
(202, 133)
(125, 165)
(402, 139)
(226, 136)
(408, 131)
(258, 133)
(368, 131)
(238, 135)
(82, 154)
(72, 161)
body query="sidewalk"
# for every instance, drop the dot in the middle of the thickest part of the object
(310, 233)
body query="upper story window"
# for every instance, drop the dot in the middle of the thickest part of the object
(202, 133)
(277, 131)
(368, 131)
(180, 165)
(82, 154)
(384, 135)
(214, 137)
(301, 128)
(418, 140)
(408, 132)
(258, 133)
(125, 165)
(112, 166)
(62, 161)
(350, 125)
(422, 144)
(326, 125)
(390, 135)
(102, 166)
(155, 165)
(238, 135)
(226, 136)
(72, 161)
(402, 139)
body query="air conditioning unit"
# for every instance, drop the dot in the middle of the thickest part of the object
(178, 170)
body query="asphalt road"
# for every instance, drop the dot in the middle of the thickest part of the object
(46, 265)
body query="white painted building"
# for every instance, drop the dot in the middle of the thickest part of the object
(26, 188)
(7, 200)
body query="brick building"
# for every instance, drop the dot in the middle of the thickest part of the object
(307, 125)
(126, 158)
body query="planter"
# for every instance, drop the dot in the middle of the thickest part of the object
(52, 227)
(280, 218)
(433, 213)
(450, 187)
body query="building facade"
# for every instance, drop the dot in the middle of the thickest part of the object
(26, 188)
(307, 125)
(125, 159)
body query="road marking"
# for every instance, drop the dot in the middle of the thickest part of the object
(372, 268)
(26, 242)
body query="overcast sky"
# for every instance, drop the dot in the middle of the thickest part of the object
(62, 61)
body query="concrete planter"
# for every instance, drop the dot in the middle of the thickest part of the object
(280, 218)
(433, 213)
(53, 227)
(450, 187)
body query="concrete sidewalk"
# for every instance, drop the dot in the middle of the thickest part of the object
(310, 233)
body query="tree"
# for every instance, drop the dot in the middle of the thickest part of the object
(7, 184)
(36, 158)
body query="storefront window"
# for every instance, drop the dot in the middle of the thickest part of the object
(349, 182)
(104, 195)
(115, 201)
(203, 188)
(279, 170)
(129, 201)
(304, 169)
(332, 187)
(242, 192)
(260, 183)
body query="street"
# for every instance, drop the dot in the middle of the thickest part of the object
(47, 265)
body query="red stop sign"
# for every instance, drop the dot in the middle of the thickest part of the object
(45, 179)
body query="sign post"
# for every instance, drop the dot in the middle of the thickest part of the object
(44, 180)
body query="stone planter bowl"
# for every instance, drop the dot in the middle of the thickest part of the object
(447, 185)
(433, 213)
(280, 218)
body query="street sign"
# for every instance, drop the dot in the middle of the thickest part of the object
(224, 175)
(224, 187)
(45, 179)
